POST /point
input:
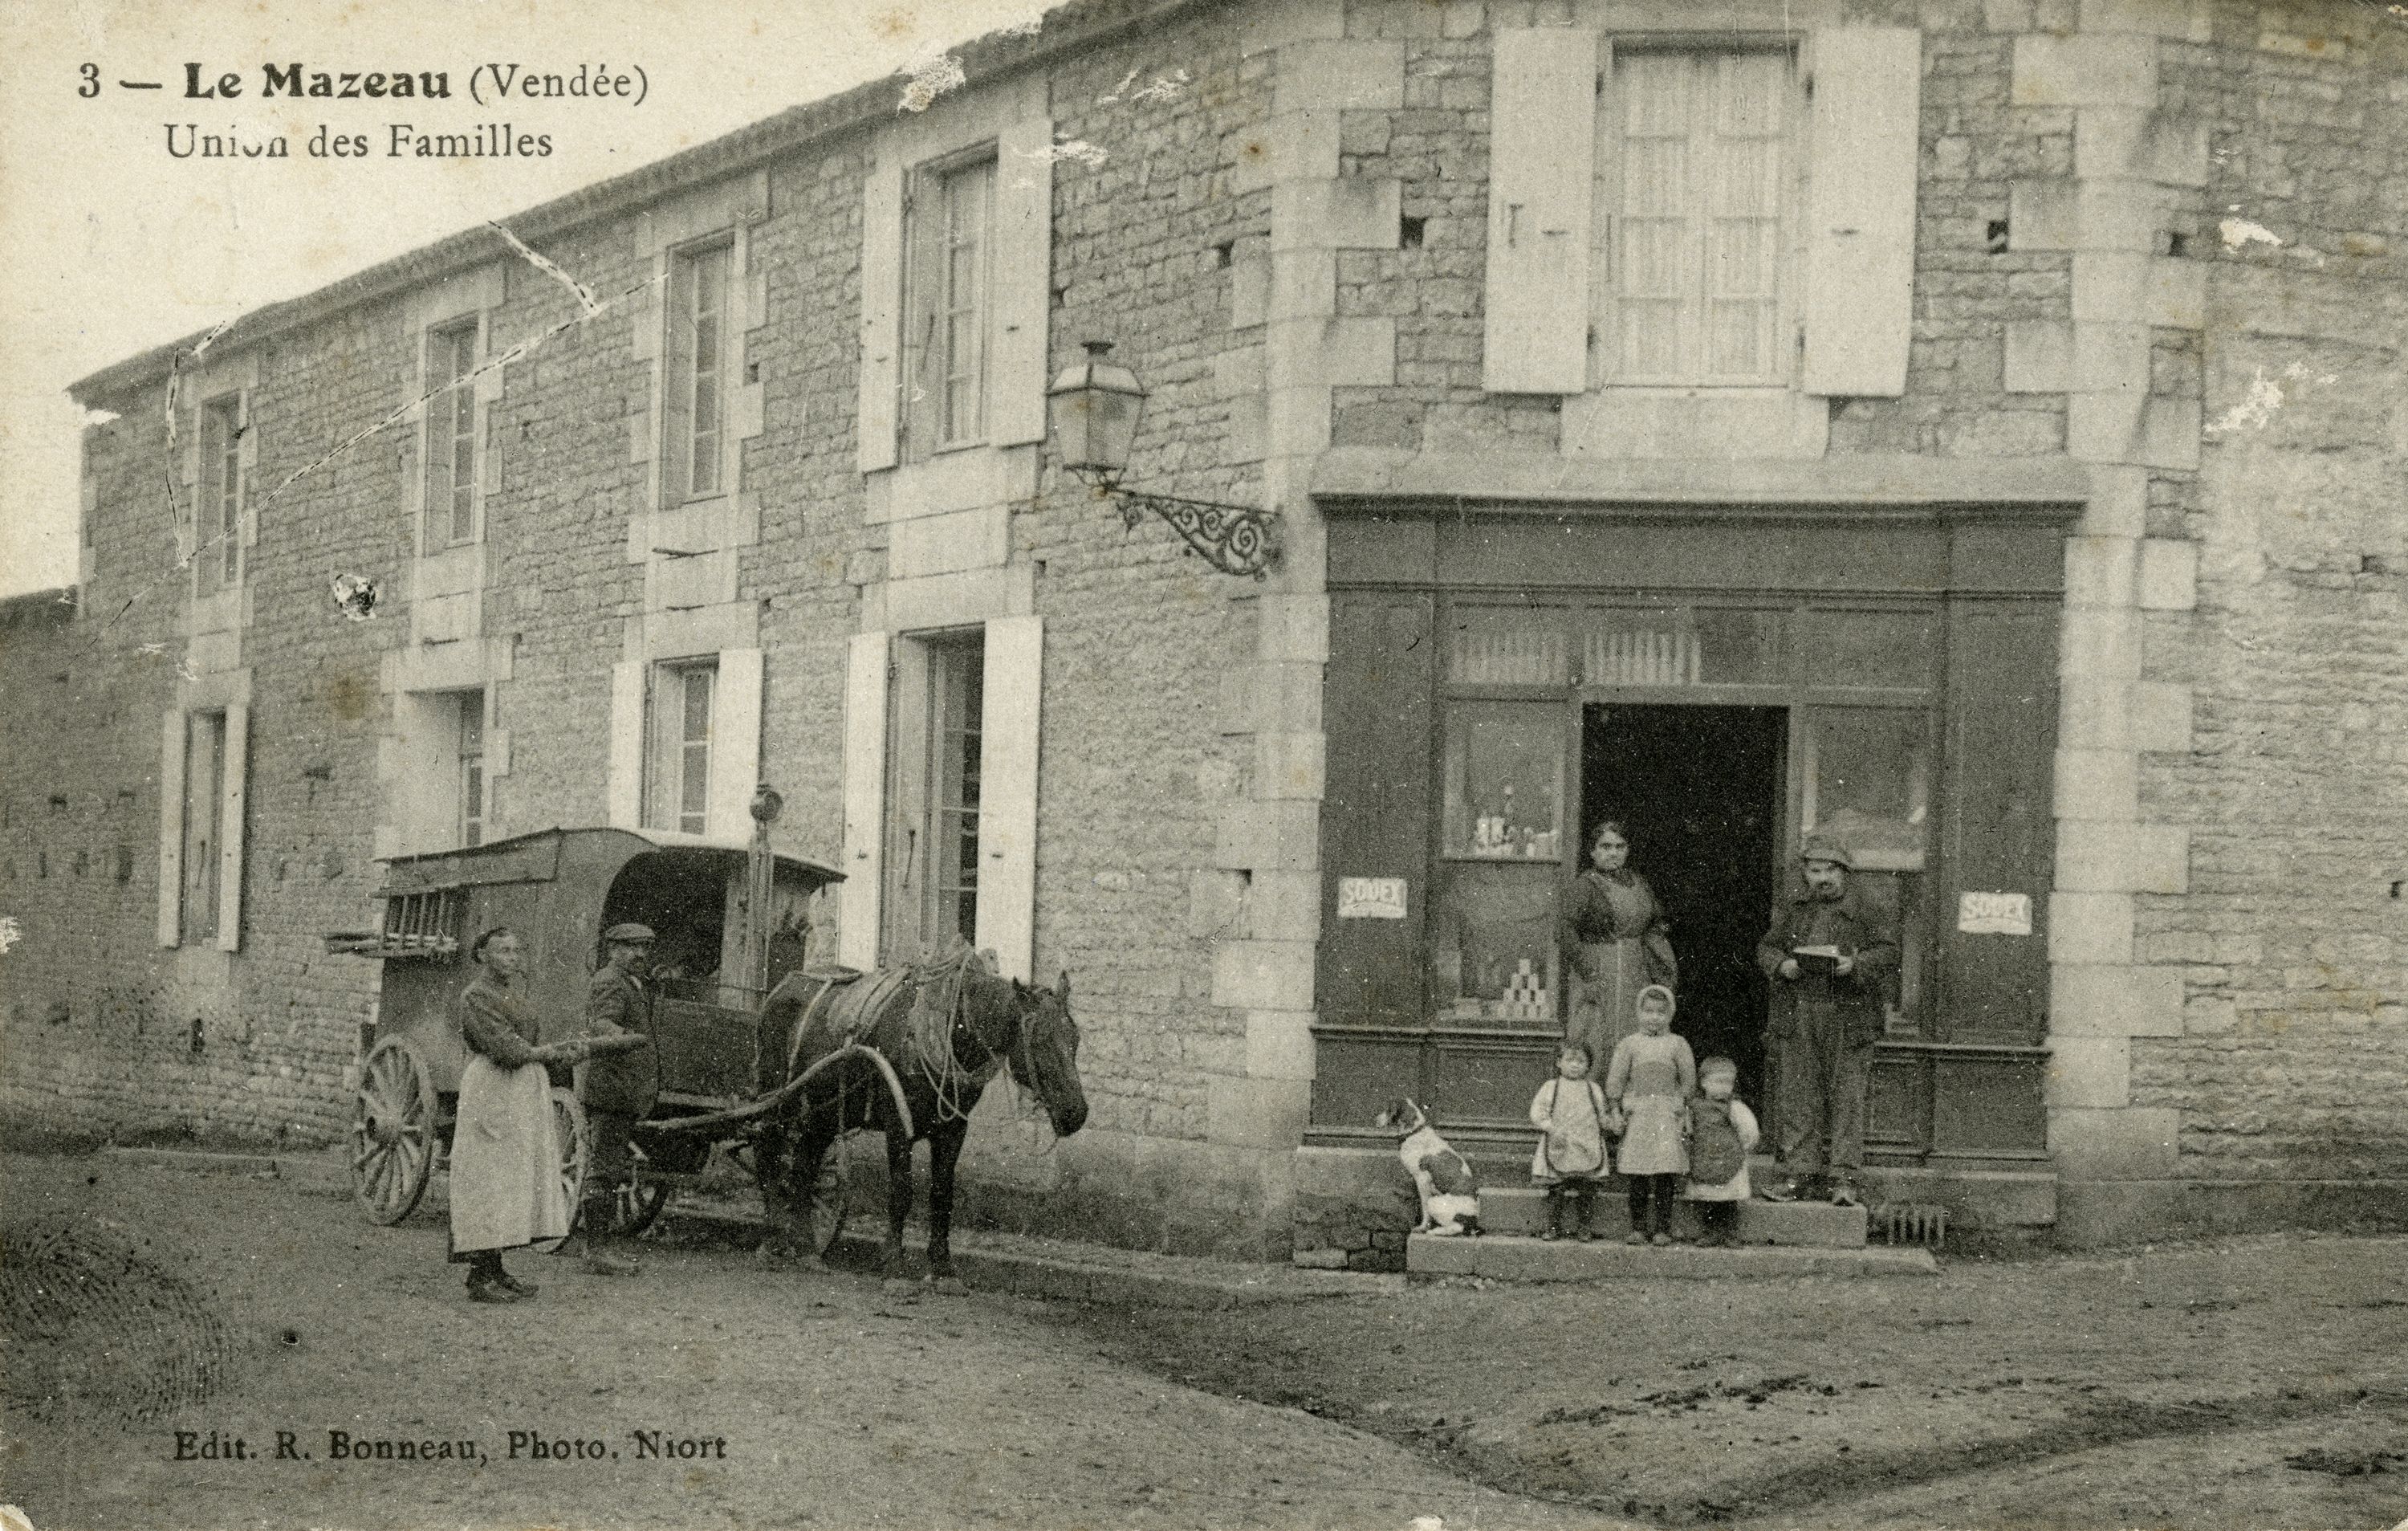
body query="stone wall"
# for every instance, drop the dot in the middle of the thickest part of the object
(1145, 752)
(2292, 1046)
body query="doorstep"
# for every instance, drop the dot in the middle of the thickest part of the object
(1518, 1209)
(1512, 1258)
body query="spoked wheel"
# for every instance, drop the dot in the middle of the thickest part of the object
(830, 1201)
(392, 1131)
(569, 1132)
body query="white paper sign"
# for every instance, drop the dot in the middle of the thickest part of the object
(1370, 898)
(1994, 913)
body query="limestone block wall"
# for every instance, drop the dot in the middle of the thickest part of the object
(1179, 706)
(2292, 947)
(1971, 285)
(2226, 994)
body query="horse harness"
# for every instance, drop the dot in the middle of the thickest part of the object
(939, 1040)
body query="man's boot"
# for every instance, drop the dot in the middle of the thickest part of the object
(1554, 1213)
(601, 1222)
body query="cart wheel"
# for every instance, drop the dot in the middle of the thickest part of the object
(830, 1201)
(568, 1131)
(392, 1131)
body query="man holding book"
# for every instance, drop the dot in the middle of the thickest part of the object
(1829, 956)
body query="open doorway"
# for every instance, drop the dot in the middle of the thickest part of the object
(1701, 791)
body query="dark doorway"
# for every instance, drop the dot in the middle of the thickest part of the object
(1700, 790)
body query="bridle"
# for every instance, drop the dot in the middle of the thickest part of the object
(1018, 1052)
(956, 1072)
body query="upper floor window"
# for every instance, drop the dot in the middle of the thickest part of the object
(677, 795)
(1720, 222)
(1695, 166)
(948, 306)
(218, 523)
(451, 436)
(700, 361)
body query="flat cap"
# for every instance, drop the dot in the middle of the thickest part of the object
(628, 935)
(1822, 847)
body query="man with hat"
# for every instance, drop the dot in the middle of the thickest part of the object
(617, 1087)
(1828, 957)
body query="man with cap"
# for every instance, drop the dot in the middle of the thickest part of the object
(617, 1087)
(1829, 956)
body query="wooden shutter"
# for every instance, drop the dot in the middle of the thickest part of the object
(232, 801)
(1021, 282)
(865, 798)
(734, 742)
(172, 730)
(882, 313)
(1542, 150)
(1007, 757)
(626, 787)
(1859, 232)
(1375, 816)
(1998, 827)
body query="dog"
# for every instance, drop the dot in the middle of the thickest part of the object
(1449, 1191)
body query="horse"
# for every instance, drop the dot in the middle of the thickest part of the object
(908, 1071)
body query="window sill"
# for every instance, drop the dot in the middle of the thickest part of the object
(965, 478)
(1631, 420)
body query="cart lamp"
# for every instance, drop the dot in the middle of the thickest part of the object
(1094, 408)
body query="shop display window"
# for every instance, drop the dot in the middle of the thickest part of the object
(1868, 785)
(1493, 952)
(1504, 781)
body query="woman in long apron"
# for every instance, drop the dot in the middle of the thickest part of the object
(1615, 942)
(505, 1186)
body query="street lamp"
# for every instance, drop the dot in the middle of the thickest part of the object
(1094, 408)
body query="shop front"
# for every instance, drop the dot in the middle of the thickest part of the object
(1721, 683)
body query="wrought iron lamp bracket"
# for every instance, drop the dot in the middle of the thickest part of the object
(1233, 539)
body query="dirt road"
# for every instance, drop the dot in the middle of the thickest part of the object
(2252, 1383)
(231, 1309)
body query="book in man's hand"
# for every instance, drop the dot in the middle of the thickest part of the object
(1822, 959)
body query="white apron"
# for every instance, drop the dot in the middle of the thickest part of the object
(506, 1189)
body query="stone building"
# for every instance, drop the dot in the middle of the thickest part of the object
(1969, 428)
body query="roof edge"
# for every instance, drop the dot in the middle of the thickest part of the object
(1064, 28)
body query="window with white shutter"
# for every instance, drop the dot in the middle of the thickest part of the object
(1733, 214)
(1697, 174)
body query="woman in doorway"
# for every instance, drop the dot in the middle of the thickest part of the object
(505, 1186)
(1615, 942)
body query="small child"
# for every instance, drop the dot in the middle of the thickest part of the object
(1571, 1110)
(1722, 1133)
(1650, 1081)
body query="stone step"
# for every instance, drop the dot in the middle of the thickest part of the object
(1512, 1258)
(1519, 1209)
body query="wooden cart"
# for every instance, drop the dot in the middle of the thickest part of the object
(559, 889)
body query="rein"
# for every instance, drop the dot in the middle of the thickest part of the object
(957, 1083)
